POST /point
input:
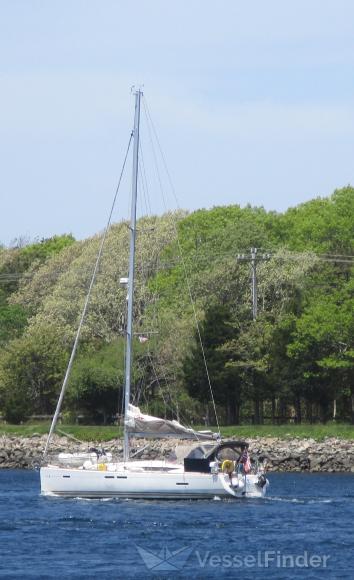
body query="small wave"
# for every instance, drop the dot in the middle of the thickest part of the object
(95, 499)
(76, 519)
(320, 501)
(285, 499)
(303, 500)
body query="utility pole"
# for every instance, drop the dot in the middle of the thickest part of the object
(254, 259)
(254, 282)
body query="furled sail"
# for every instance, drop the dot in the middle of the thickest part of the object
(140, 425)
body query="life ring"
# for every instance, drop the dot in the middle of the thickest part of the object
(227, 466)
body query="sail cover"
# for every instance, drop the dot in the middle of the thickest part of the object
(141, 425)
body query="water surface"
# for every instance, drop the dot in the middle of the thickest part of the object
(304, 516)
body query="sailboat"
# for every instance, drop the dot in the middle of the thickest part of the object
(212, 468)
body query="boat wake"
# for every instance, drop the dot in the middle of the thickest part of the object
(304, 500)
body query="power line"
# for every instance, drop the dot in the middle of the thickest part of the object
(165, 265)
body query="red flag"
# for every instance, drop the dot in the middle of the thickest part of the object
(247, 465)
(246, 462)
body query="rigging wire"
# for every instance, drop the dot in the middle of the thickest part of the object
(145, 277)
(185, 421)
(154, 258)
(84, 310)
(143, 181)
(148, 116)
(166, 265)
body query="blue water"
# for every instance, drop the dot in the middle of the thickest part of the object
(305, 516)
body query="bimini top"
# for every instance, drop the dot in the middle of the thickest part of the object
(220, 451)
(138, 424)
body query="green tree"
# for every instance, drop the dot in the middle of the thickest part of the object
(324, 225)
(31, 372)
(323, 343)
(13, 319)
(96, 382)
(20, 259)
(215, 330)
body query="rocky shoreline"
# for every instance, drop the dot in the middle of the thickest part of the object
(307, 455)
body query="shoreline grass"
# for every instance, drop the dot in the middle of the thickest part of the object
(105, 433)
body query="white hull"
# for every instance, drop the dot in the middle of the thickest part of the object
(172, 482)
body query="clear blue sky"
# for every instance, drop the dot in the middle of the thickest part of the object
(253, 102)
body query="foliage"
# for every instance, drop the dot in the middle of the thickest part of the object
(31, 372)
(20, 259)
(294, 360)
(13, 319)
(322, 343)
(96, 381)
(96, 384)
(215, 330)
(324, 225)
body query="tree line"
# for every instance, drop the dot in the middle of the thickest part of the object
(295, 361)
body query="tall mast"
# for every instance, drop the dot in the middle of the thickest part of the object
(129, 337)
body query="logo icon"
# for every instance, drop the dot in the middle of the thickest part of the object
(165, 559)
